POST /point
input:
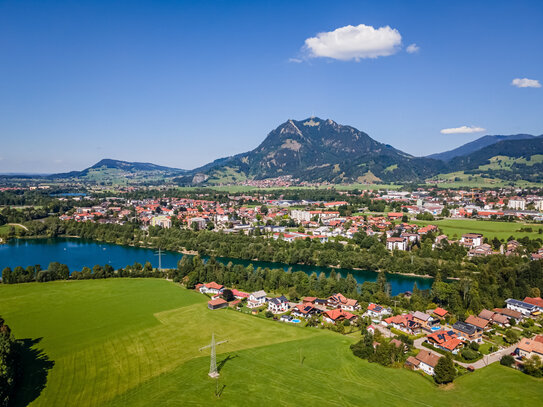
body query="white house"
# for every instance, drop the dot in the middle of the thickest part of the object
(472, 239)
(397, 243)
(257, 299)
(211, 288)
(278, 305)
(520, 306)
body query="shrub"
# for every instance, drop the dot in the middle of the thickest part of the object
(507, 360)
(469, 354)
(268, 314)
(474, 346)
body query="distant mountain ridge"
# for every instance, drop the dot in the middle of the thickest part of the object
(121, 166)
(317, 150)
(476, 145)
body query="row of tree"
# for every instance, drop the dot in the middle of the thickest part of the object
(8, 364)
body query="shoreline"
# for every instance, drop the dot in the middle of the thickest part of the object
(195, 253)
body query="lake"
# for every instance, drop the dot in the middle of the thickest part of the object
(77, 253)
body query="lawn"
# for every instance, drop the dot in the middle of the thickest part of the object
(135, 342)
(455, 228)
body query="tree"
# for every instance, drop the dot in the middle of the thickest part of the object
(511, 336)
(228, 295)
(507, 360)
(534, 366)
(444, 371)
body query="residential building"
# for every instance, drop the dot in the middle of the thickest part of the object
(529, 347)
(446, 340)
(337, 315)
(257, 299)
(468, 332)
(520, 306)
(397, 243)
(425, 361)
(278, 305)
(517, 203)
(211, 288)
(472, 239)
(477, 322)
(377, 311)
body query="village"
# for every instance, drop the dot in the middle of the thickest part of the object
(402, 228)
(513, 332)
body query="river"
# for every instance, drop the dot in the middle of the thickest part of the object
(77, 253)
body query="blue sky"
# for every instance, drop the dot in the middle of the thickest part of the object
(182, 83)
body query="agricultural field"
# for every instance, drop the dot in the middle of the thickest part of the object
(455, 228)
(130, 342)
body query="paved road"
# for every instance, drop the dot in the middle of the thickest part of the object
(485, 361)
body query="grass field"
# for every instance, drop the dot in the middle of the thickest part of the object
(135, 342)
(502, 230)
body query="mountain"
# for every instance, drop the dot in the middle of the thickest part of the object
(321, 150)
(511, 160)
(109, 169)
(475, 145)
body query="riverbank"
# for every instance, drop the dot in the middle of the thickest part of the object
(77, 253)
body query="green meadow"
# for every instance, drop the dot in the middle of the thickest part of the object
(130, 342)
(455, 228)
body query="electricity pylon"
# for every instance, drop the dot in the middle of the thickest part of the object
(213, 372)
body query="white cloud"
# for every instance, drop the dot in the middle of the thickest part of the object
(463, 130)
(350, 42)
(295, 60)
(526, 83)
(412, 49)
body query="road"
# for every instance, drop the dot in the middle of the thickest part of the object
(485, 361)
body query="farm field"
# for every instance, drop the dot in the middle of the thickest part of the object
(455, 228)
(124, 342)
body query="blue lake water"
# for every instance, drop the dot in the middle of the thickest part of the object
(77, 253)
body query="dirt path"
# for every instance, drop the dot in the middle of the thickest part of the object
(18, 224)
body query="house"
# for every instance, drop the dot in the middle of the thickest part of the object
(211, 288)
(305, 310)
(478, 322)
(278, 305)
(468, 332)
(257, 299)
(446, 340)
(309, 300)
(529, 347)
(371, 329)
(501, 320)
(240, 295)
(404, 323)
(425, 361)
(440, 313)
(472, 239)
(424, 320)
(217, 303)
(537, 301)
(377, 311)
(350, 305)
(335, 301)
(398, 344)
(509, 313)
(486, 314)
(397, 243)
(335, 315)
(520, 306)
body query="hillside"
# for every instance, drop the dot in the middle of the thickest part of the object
(116, 171)
(476, 145)
(507, 160)
(147, 353)
(321, 150)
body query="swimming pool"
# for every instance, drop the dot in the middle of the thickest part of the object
(435, 328)
(295, 321)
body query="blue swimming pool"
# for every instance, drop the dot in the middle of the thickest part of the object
(435, 328)
(295, 321)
